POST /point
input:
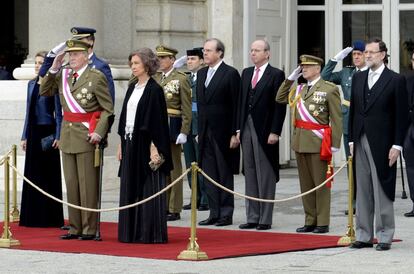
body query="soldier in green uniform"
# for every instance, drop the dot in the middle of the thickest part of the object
(177, 93)
(317, 121)
(195, 61)
(87, 105)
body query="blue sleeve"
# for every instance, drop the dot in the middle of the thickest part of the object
(107, 71)
(26, 120)
(47, 64)
(58, 116)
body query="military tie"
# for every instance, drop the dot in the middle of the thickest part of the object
(74, 78)
(163, 78)
(308, 89)
(193, 78)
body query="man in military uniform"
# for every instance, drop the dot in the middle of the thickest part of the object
(195, 61)
(86, 35)
(317, 133)
(87, 105)
(177, 93)
(344, 78)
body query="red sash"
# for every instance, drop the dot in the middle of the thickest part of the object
(90, 117)
(326, 152)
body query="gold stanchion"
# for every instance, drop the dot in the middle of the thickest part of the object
(14, 214)
(6, 239)
(350, 234)
(193, 251)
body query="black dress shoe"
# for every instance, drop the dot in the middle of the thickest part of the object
(409, 214)
(203, 208)
(305, 228)
(86, 237)
(187, 207)
(321, 229)
(248, 226)
(383, 247)
(173, 217)
(224, 221)
(69, 236)
(208, 221)
(263, 227)
(358, 245)
(65, 227)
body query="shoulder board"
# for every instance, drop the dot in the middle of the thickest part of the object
(352, 67)
(180, 72)
(330, 84)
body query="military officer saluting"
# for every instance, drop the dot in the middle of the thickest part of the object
(177, 93)
(317, 121)
(87, 105)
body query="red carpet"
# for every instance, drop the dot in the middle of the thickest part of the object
(216, 243)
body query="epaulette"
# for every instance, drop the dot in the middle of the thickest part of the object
(350, 66)
(330, 83)
(180, 72)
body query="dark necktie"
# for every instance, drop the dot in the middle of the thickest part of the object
(75, 77)
(308, 89)
(163, 78)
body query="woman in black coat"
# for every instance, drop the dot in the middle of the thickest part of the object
(42, 161)
(144, 153)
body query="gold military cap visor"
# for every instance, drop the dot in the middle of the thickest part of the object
(310, 60)
(76, 45)
(165, 51)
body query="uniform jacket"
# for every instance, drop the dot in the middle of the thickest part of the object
(383, 120)
(48, 110)
(217, 110)
(326, 109)
(94, 62)
(343, 78)
(268, 116)
(92, 93)
(177, 93)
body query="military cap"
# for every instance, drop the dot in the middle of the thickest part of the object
(81, 32)
(76, 45)
(162, 50)
(359, 45)
(310, 60)
(195, 52)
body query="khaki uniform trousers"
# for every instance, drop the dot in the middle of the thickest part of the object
(175, 194)
(82, 189)
(312, 172)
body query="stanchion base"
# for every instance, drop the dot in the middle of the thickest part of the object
(8, 242)
(193, 255)
(15, 216)
(346, 240)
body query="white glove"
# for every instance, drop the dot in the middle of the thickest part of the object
(181, 139)
(57, 50)
(334, 149)
(295, 74)
(180, 62)
(342, 54)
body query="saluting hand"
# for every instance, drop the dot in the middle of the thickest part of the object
(58, 61)
(296, 73)
(342, 54)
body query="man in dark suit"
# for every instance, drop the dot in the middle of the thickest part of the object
(260, 124)
(217, 89)
(377, 125)
(86, 35)
(409, 138)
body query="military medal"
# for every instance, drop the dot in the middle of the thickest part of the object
(169, 95)
(311, 107)
(315, 113)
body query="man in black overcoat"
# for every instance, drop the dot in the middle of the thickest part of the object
(377, 124)
(260, 124)
(218, 86)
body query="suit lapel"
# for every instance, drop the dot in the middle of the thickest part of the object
(211, 89)
(201, 79)
(30, 90)
(378, 88)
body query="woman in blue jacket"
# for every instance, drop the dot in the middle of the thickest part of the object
(42, 162)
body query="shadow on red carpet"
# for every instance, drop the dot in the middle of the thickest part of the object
(217, 243)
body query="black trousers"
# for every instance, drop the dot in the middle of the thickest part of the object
(213, 163)
(409, 158)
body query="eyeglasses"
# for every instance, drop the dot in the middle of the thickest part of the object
(367, 52)
(207, 50)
